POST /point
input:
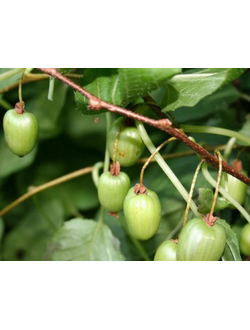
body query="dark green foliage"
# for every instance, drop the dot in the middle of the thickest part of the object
(52, 225)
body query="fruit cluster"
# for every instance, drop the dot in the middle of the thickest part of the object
(200, 239)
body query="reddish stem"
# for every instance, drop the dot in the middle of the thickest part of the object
(163, 124)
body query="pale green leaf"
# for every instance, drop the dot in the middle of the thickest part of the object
(232, 251)
(189, 88)
(88, 240)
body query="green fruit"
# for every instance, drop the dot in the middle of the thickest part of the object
(245, 240)
(112, 191)
(166, 251)
(236, 188)
(130, 145)
(20, 131)
(143, 214)
(200, 242)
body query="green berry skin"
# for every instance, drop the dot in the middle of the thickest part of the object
(245, 240)
(21, 131)
(166, 251)
(112, 191)
(143, 214)
(200, 242)
(236, 188)
(130, 145)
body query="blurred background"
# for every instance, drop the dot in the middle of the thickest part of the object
(69, 140)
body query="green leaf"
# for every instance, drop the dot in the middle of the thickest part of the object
(120, 86)
(245, 131)
(139, 82)
(28, 240)
(84, 240)
(189, 88)
(1, 228)
(11, 163)
(9, 77)
(220, 100)
(232, 251)
(102, 83)
(206, 199)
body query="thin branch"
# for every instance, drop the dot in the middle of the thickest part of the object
(163, 124)
(31, 77)
(33, 191)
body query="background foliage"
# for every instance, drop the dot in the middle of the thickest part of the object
(69, 139)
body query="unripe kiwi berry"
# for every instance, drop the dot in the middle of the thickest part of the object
(166, 251)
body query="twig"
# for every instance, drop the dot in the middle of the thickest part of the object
(45, 186)
(163, 124)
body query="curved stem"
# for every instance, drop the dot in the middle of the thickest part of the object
(107, 157)
(244, 97)
(20, 92)
(51, 88)
(95, 172)
(215, 130)
(9, 74)
(166, 169)
(229, 148)
(192, 191)
(152, 156)
(217, 184)
(45, 186)
(116, 143)
(223, 192)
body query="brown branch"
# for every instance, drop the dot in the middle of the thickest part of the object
(35, 190)
(163, 124)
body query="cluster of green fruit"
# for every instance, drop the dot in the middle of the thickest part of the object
(202, 241)
(142, 209)
(199, 239)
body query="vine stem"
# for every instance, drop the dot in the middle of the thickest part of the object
(51, 88)
(116, 143)
(223, 192)
(95, 172)
(20, 92)
(217, 184)
(184, 153)
(152, 156)
(10, 73)
(216, 131)
(165, 125)
(244, 96)
(166, 169)
(35, 190)
(107, 157)
(106, 160)
(192, 191)
(229, 148)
